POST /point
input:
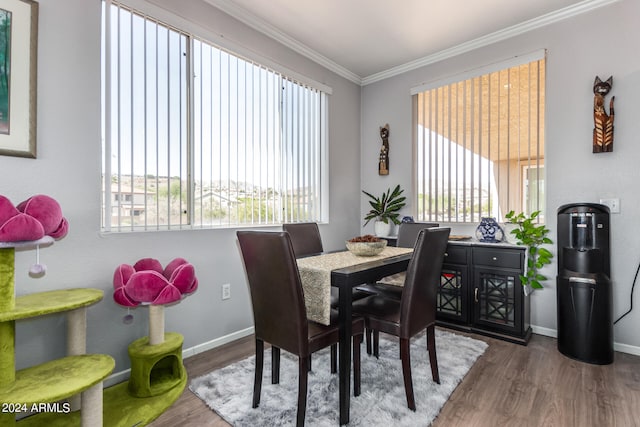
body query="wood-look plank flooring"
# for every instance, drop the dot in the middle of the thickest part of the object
(510, 385)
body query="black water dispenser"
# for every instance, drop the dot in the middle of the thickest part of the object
(585, 300)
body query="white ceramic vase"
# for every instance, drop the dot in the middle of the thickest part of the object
(382, 229)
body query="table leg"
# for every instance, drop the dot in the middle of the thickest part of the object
(344, 307)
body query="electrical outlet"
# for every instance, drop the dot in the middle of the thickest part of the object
(614, 204)
(226, 291)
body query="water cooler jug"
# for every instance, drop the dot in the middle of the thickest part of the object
(585, 300)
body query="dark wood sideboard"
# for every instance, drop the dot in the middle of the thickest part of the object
(480, 290)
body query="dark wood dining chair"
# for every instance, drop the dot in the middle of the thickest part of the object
(306, 240)
(279, 311)
(416, 309)
(407, 237)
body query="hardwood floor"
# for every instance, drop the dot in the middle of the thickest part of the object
(510, 385)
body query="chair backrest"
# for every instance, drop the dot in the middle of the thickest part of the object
(305, 237)
(408, 232)
(276, 291)
(418, 303)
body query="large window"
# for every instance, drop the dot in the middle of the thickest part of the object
(479, 143)
(195, 136)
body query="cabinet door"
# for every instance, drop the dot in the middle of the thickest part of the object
(452, 301)
(497, 299)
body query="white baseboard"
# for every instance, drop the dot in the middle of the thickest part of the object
(626, 348)
(623, 348)
(200, 348)
(121, 376)
(547, 332)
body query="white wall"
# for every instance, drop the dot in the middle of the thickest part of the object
(68, 169)
(603, 42)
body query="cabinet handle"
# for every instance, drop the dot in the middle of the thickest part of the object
(495, 258)
(446, 254)
(475, 294)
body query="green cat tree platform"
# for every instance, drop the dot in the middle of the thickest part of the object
(30, 390)
(156, 369)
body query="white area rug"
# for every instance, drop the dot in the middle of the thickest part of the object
(228, 391)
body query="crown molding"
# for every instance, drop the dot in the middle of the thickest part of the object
(258, 24)
(523, 27)
(246, 17)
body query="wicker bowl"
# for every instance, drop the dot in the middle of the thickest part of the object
(366, 248)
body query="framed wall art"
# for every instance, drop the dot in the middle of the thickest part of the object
(18, 73)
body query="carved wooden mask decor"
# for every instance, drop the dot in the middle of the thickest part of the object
(383, 162)
(603, 122)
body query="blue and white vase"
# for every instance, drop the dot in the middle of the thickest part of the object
(489, 231)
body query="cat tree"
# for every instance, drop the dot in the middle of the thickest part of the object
(37, 389)
(69, 387)
(158, 376)
(68, 391)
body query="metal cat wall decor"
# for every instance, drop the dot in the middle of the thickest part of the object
(603, 122)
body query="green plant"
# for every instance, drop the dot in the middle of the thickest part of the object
(532, 235)
(386, 207)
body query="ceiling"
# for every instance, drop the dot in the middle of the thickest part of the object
(368, 40)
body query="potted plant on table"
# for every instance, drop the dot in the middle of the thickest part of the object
(532, 235)
(384, 210)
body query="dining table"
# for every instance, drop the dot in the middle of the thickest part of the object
(345, 271)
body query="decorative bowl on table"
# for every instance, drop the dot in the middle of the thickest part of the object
(366, 245)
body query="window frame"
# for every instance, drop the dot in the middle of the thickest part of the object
(195, 33)
(459, 217)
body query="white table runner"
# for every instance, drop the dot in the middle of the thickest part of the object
(315, 273)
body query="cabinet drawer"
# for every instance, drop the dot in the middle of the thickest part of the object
(503, 258)
(455, 255)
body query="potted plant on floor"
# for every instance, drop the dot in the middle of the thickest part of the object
(532, 235)
(384, 210)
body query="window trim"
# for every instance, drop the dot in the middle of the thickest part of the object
(513, 61)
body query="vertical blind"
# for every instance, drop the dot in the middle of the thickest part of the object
(195, 136)
(479, 144)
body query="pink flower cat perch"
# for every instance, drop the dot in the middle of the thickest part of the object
(146, 282)
(31, 220)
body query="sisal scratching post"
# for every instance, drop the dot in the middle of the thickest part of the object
(156, 324)
(77, 331)
(76, 342)
(91, 414)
